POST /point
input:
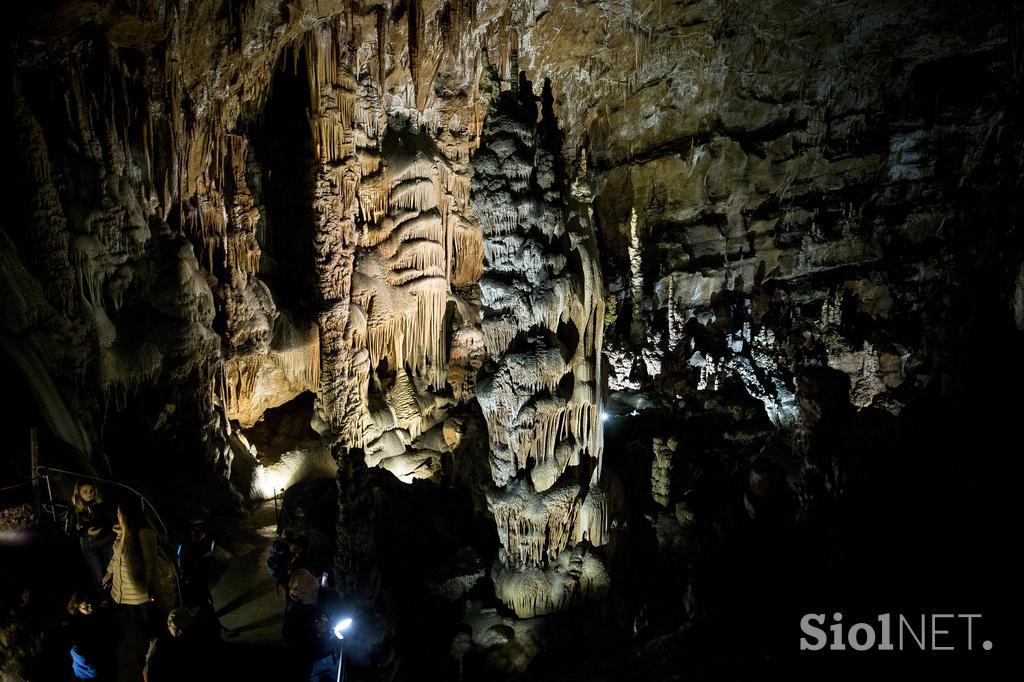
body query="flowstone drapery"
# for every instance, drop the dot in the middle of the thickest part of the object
(415, 243)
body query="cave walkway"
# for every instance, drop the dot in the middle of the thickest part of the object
(245, 596)
(249, 604)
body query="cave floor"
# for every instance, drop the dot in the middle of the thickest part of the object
(245, 596)
(248, 603)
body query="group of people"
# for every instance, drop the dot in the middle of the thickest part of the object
(300, 564)
(295, 550)
(127, 612)
(122, 615)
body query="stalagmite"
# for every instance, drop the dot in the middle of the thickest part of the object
(531, 291)
(661, 469)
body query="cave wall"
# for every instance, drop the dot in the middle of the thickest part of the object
(813, 183)
(812, 157)
(732, 191)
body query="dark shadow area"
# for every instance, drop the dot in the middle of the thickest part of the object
(921, 525)
(285, 428)
(283, 175)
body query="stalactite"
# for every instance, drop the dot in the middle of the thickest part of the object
(117, 286)
(373, 201)
(414, 194)
(333, 134)
(423, 255)
(243, 253)
(381, 341)
(502, 218)
(419, 168)
(455, 184)
(415, 37)
(514, 59)
(419, 226)
(349, 184)
(206, 223)
(498, 335)
(594, 517)
(425, 344)
(122, 375)
(382, 42)
(240, 376)
(708, 378)
(535, 528)
(404, 403)
(469, 255)
(635, 277)
(661, 469)
(298, 356)
(87, 255)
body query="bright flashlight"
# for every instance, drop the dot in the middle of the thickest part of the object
(341, 627)
(604, 416)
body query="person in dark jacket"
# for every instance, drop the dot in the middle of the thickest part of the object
(94, 523)
(195, 556)
(309, 619)
(279, 561)
(310, 550)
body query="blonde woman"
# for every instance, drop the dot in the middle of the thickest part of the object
(94, 521)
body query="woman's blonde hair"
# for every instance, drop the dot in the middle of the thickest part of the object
(76, 498)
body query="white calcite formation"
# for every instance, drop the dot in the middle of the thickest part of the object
(772, 184)
(543, 315)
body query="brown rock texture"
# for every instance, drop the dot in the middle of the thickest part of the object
(217, 206)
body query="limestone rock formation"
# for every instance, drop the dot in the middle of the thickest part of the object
(721, 234)
(661, 469)
(543, 317)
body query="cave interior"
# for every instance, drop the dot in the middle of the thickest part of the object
(591, 340)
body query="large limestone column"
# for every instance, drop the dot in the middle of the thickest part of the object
(543, 316)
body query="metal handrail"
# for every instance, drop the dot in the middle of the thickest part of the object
(42, 470)
(18, 485)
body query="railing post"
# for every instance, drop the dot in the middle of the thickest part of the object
(277, 510)
(33, 449)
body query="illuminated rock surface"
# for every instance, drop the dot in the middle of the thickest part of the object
(541, 283)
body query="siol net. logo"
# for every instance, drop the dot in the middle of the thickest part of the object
(889, 632)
